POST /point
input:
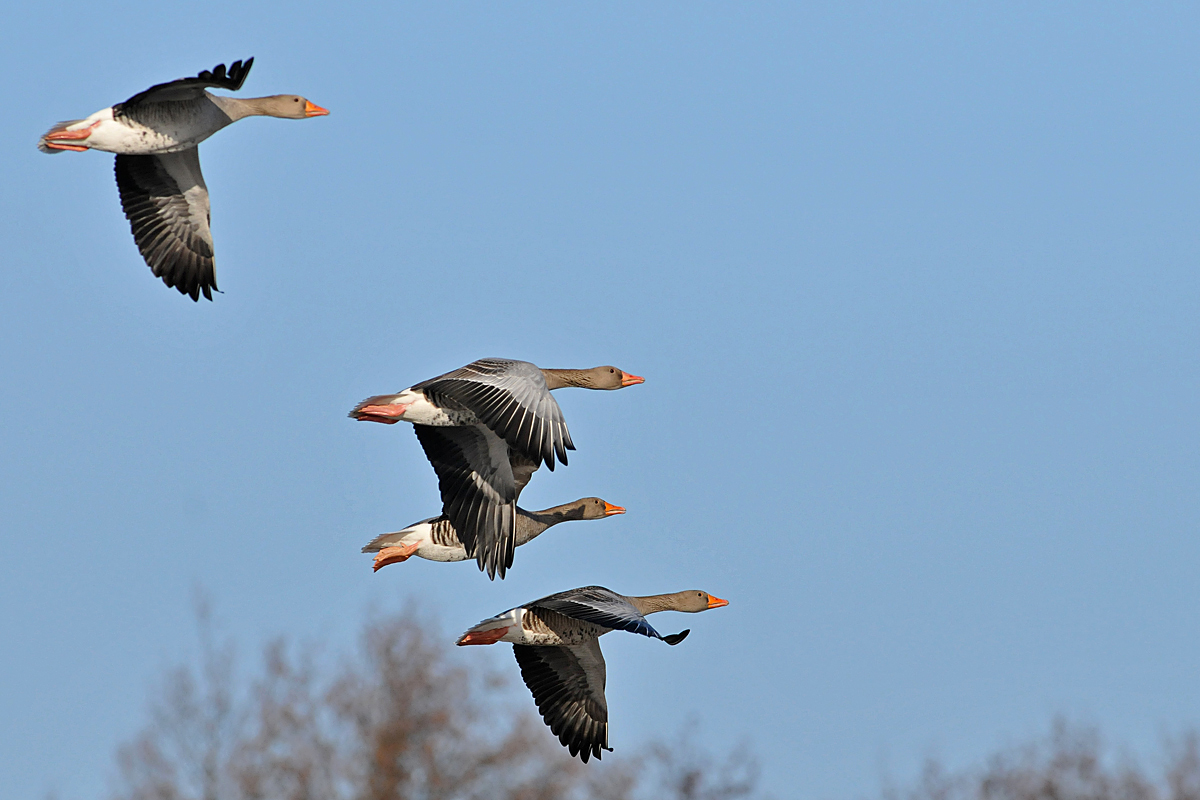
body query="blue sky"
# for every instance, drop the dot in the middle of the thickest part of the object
(913, 289)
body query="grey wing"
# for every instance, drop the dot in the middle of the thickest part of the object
(511, 398)
(599, 606)
(479, 492)
(166, 203)
(187, 88)
(522, 469)
(567, 684)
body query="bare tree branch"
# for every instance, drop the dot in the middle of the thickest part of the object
(1071, 764)
(399, 719)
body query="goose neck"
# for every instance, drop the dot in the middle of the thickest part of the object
(561, 378)
(653, 603)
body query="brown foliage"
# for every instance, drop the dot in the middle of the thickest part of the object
(400, 719)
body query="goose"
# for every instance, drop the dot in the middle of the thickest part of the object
(486, 428)
(434, 538)
(155, 134)
(556, 641)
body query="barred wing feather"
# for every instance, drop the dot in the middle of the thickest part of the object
(511, 398)
(599, 606)
(478, 488)
(567, 684)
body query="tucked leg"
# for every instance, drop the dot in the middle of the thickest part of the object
(387, 414)
(483, 637)
(394, 555)
(53, 138)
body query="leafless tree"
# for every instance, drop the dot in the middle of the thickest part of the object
(1070, 764)
(183, 750)
(686, 772)
(399, 719)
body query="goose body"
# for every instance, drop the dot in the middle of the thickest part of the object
(154, 135)
(435, 539)
(556, 641)
(485, 429)
(413, 405)
(161, 128)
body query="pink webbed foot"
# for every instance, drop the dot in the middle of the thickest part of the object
(394, 555)
(53, 139)
(483, 637)
(387, 414)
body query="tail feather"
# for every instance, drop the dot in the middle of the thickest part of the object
(384, 540)
(413, 533)
(506, 620)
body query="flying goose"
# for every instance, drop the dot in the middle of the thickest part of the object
(155, 134)
(434, 539)
(556, 642)
(486, 428)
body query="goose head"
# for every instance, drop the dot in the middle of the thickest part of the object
(608, 378)
(288, 106)
(595, 508)
(694, 601)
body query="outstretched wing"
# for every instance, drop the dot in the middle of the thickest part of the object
(599, 606)
(479, 491)
(568, 687)
(188, 88)
(166, 203)
(511, 398)
(522, 468)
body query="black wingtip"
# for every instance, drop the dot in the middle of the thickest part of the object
(675, 638)
(231, 79)
(194, 290)
(239, 71)
(492, 567)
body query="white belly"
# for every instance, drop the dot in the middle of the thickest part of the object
(421, 534)
(420, 411)
(440, 552)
